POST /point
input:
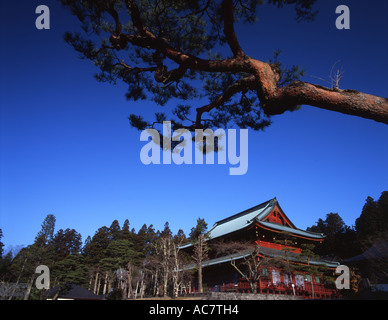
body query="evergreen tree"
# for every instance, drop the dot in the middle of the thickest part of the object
(5, 267)
(373, 221)
(180, 236)
(145, 239)
(315, 273)
(47, 231)
(125, 233)
(166, 230)
(115, 230)
(86, 246)
(339, 238)
(71, 269)
(64, 243)
(36, 254)
(94, 251)
(286, 240)
(199, 229)
(120, 255)
(332, 225)
(122, 251)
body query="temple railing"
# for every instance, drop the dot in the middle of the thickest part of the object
(266, 286)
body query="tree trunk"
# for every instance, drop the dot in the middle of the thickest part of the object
(253, 285)
(98, 285)
(136, 289)
(142, 285)
(175, 276)
(165, 282)
(200, 254)
(129, 278)
(29, 287)
(105, 283)
(110, 280)
(200, 287)
(155, 283)
(95, 284)
(166, 262)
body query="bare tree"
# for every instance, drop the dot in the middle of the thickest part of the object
(200, 254)
(178, 263)
(132, 274)
(336, 76)
(244, 257)
(199, 237)
(163, 248)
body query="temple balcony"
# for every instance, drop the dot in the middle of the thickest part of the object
(277, 246)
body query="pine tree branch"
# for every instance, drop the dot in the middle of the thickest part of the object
(350, 102)
(230, 34)
(241, 85)
(263, 77)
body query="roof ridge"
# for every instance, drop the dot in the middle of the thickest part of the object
(243, 213)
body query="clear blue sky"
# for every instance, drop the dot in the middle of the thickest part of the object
(67, 148)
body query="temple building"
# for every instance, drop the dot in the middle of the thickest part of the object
(260, 250)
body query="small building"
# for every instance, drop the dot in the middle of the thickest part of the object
(276, 244)
(71, 292)
(373, 266)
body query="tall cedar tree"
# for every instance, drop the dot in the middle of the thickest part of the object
(188, 49)
(372, 225)
(340, 239)
(38, 252)
(64, 243)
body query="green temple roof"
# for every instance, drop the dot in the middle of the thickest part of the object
(257, 214)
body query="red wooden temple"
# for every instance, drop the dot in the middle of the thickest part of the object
(263, 226)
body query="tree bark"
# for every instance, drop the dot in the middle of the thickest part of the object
(98, 285)
(200, 256)
(350, 102)
(156, 283)
(29, 287)
(130, 270)
(105, 283)
(142, 285)
(95, 284)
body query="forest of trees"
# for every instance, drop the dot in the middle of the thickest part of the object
(116, 260)
(119, 262)
(345, 241)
